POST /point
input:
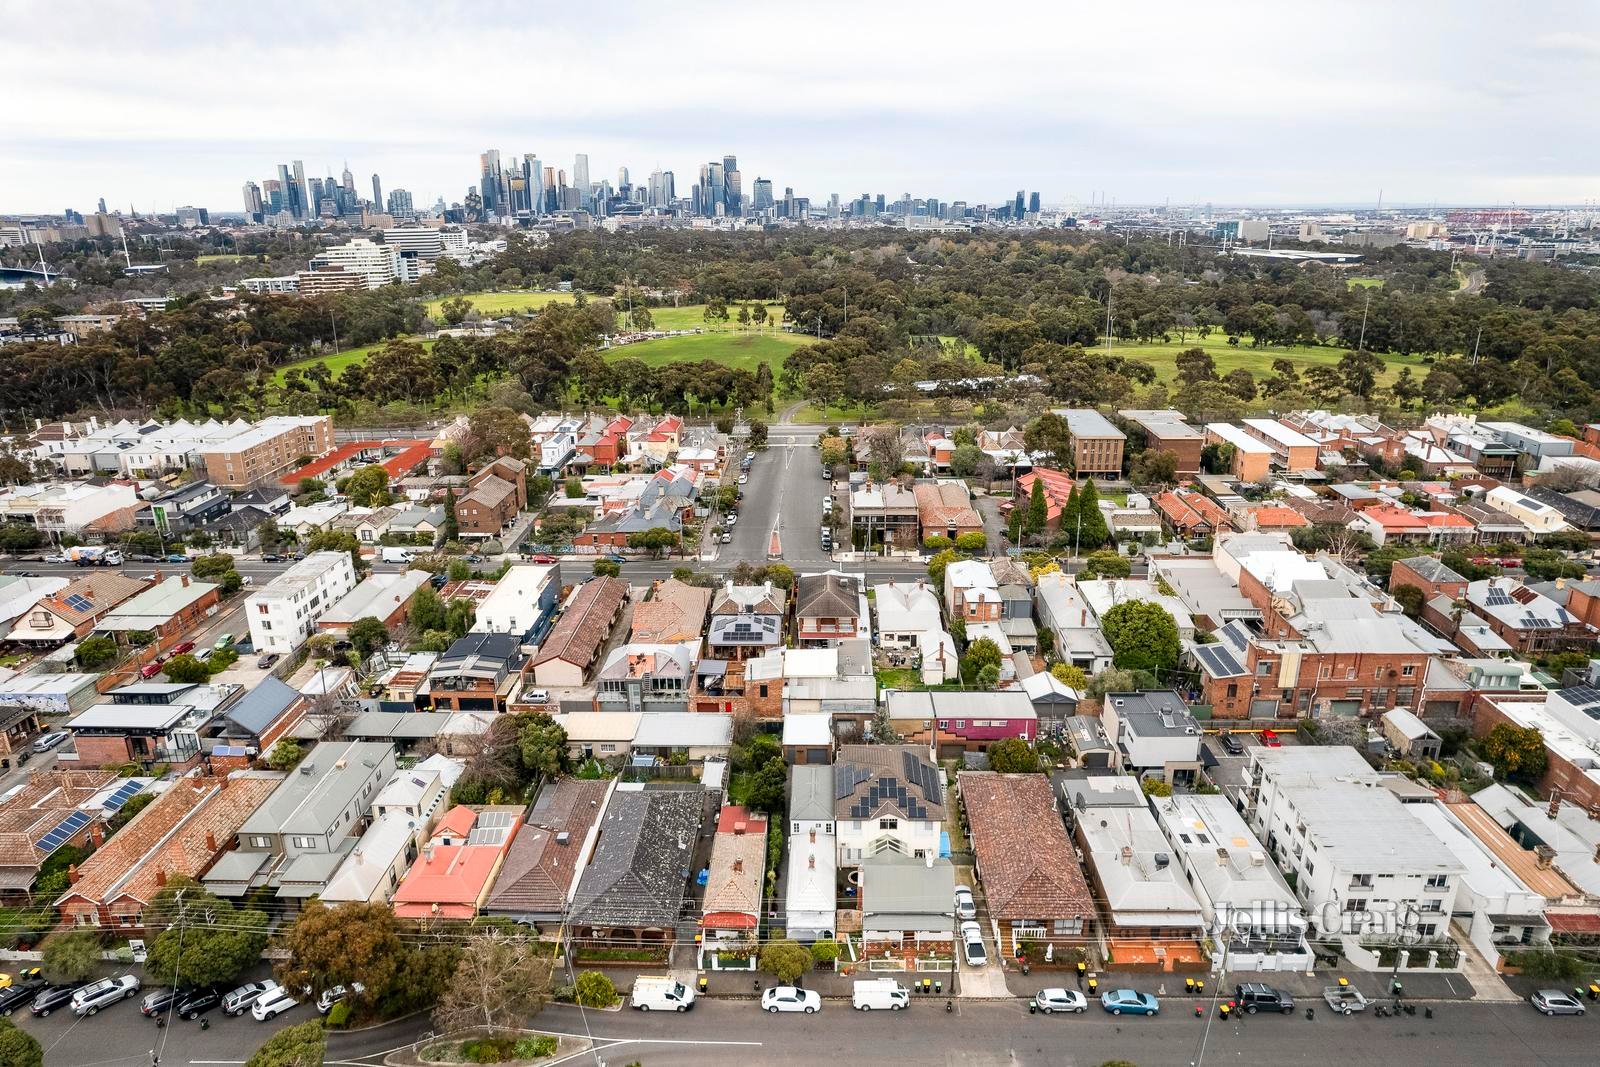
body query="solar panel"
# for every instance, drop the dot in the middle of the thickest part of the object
(63, 832)
(124, 793)
(1218, 660)
(79, 602)
(1497, 596)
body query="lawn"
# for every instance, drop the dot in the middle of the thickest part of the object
(219, 257)
(690, 316)
(495, 304)
(742, 350)
(1365, 283)
(338, 361)
(1257, 361)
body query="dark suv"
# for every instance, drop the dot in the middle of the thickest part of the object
(1230, 744)
(196, 1002)
(1257, 996)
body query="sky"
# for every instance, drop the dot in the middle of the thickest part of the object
(157, 104)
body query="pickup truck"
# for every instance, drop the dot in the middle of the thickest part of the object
(1345, 1000)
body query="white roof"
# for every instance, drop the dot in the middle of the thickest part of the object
(811, 882)
(1361, 828)
(1226, 860)
(1485, 875)
(369, 863)
(1043, 683)
(683, 729)
(970, 574)
(808, 728)
(1238, 438)
(1106, 593)
(1280, 433)
(1410, 727)
(514, 604)
(906, 607)
(379, 595)
(1123, 846)
(600, 725)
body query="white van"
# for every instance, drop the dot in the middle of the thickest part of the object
(661, 994)
(874, 994)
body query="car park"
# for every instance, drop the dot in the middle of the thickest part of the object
(107, 991)
(272, 1003)
(1129, 1002)
(1055, 999)
(966, 907)
(1230, 744)
(53, 998)
(1253, 997)
(239, 1000)
(196, 1002)
(337, 993)
(972, 945)
(1555, 1002)
(1270, 739)
(791, 998)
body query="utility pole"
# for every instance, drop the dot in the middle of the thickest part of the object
(1361, 345)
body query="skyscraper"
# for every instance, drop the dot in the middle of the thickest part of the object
(489, 180)
(580, 180)
(536, 184)
(272, 196)
(314, 198)
(761, 195)
(252, 201)
(302, 192)
(1033, 203)
(102, 207)
(622, 178)
(377, 194)
(732, 193)
(286, 193)
(1016, 206)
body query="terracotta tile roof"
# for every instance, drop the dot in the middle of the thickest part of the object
(941, 505)
(101, 591)
(170, 837)
(738, 863)
(539, 869)
(1057, 487)
(1274, 518)
(585, 623)
(1030, 868)
(676, 611)
(44, 801)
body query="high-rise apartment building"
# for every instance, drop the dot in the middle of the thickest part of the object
(580, 180)
(399, 203)
(301, 191)
(377, 194)
(252, 201)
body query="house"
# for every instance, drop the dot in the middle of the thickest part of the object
(185, 831)
(692, 736)
(909, 620)
(1088, 741)
(295, 841)
(1056, 487)
(808, 738)
(1429, 574)
(458, 865)
(49, 810)
(1276, 518)
(384, 596)
(887, 798)
(263, 715)
(168, 609)
(971, 593)
(1410, 736)
(419, 793)
(1540, 518)
(811, 886)
(284, 612)
(1191, 514)
(18, 595)
(908, 912)
(1053, 700)
(42, 694)
(478, 672)
(375, 865)
(580, 633)
(731, 910)
(648, 678)
(1155, 734)
(830, 608)
(147, 723)
(1097, 444)
(1252, 916)
(1166, 431)
(1150, 915)
(636, 883)
(74, 610)
(494, 496)
(1531, 623)
(555, 844)
(522, 603)
(1065, 613)
(1103, 594)
(746, 620)
(606, 736)
(834, 681)
(1252, 457)
(1364, 863)
(1560, 839)
(1568, 720)
(676, 612)
(885, 514)
(957, 722)
(945, 509)
(1388, 525)
(1035, 891)
(1292, 450)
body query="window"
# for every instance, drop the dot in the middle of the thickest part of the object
(1427, 929)
(888, 824)
(1432, 907)
(1355, 904)
(1361, 881)
(1408, 670)
(1263, 668)
(260, 842)
(1438, 881)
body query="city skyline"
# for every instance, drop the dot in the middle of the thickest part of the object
(1255, 104)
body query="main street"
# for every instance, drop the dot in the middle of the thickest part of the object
(977, 1033)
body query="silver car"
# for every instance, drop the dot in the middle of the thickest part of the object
(966, 907)
(1555, 1002)
(972, 945)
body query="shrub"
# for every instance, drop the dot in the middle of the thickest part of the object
(595, 990)
(1552, 966)
(533, 1048)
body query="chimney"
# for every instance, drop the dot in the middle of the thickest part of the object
(738, 866)
(1544, 856)
(1561, 582)
(929, 861)
(161, 878)
(811, 863)
(1222, 857)
(72, 874)
(813, 835)
(1555, 805)
(186, 581)
(211, 841)
(740, 827)
(1083, 616)
(1127, 855)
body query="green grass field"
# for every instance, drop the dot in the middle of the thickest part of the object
(690, 316)
(1365, 283)
(503, 303)
(336, 362)
(742, 350)
(1257, 361)
(218, 257)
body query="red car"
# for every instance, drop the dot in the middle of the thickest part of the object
(542, 558)
(187, 646)
(150, 670)
(1270, 739)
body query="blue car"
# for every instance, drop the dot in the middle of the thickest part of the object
(177, 559)
(617, 558)
(1129, 1002)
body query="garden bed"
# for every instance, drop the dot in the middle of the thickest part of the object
(515, 1048)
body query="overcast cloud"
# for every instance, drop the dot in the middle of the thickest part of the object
(159, 104)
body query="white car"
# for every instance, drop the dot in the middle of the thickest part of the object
(791, 998)
(272, 1003)
(966, 907)
(330, 997)
(1053, 1000)
(972, 945)
(743, 478)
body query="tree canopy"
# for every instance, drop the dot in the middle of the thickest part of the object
(1143, 637)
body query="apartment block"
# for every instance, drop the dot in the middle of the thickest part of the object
(263, 454)
(1097, 445)
(284, 612)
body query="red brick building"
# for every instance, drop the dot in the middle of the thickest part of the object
(494, 496)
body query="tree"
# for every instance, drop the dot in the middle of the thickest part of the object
(497, 431)
(980, 654)
(1049, 433)
(767, 786)
(19, 1048)
(831, 450)
(71, 957)
(1094, 532)
(367, 634)
(230, 582)
(301, 1045)
(1013, 755)
(186, 669)
(595, 990)
(499, 982)
(655, 540)
(1142, 635)
(368, 487)
(785, 960)
(1038, 515)
(938, 563)
(1111, 681)
(573, 487)
(96, 652)
(454, 311)
(426, 611)
(1517, 752)
(285, 755)
(1195, 365)
(352, 942)
(213, 566)
(964, 460)
(337, 541)
(606, 568)
(1154, 466)
(758, 434)
(542, 743)
(1069, 676)
(125, 814)
(761, 750)
(971, 541)
(1411, 599)
(204, 940)
(1106, 563)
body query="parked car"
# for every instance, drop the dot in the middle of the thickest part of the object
(1056, 999)
(196, 1002)
(791, 998)
(879, 994)
(157, 1001)
(272, 1003)
(50, 740)
(972, 944)
(15, 997)
(150, 670)
(238, 1000)
(222, 642)
(1555, 1002)
(1230, 744)
(182, 648)
(744, 478)
(177, 558)
(1258, 996)
(267, 662)
(1270, 739)
(543, 557)
(617, 558)
(330, 997)
(107, 991)
(55, 557)
(966, 907)
(1129, 1002)
(438, 581)
(271, 557)
(53, 997)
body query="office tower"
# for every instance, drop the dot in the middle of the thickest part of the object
(301, 191)
(1016, 206)
(880, 204)
(287, 197)
(622, 178)
(377, 194)
(348, 180)
(252, 200)
(580, 180)
(272, 196)
(761, 195)
(552, 201)
(833, 205)
(1033, 203)
(957, 211)
(489, 180)
(731, 185)
(102, 205)
(314, 198)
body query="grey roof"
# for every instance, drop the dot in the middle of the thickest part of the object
(1086, 422)
(949, 704)
(261, 706)
(320, 790)
(1082, 790)
(480, 655)
(1432, 569)
(641, 865)
(1154, 714)
(904, 893)
(405, 725)
(811, 792)
(827, 596)
(543, 861)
